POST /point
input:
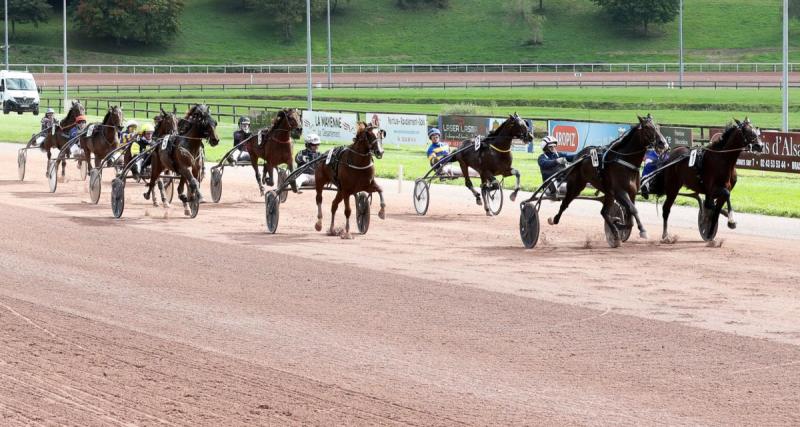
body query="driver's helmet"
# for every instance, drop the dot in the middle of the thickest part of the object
(80, 119)
(244, 123)
(147, 128)
(312, 140)
(547, 141)
(434, 131)
(50, 111)
(132, 123)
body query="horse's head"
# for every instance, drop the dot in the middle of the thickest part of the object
(370, 137)
(651, 133)
(519, 129)
(751, 135)
(114, 118)
(75, 110)
(291, 121)
(199, 118)
(166, 124)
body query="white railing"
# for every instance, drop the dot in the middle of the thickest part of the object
(656, 67)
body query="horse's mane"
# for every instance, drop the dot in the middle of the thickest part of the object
(105, 119)
(71, 114)
(730, 128)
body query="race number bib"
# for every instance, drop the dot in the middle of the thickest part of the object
(595, 159)
(90, 131)
(692, 158)
(477, 143)
(164, 143)
(259, 138)
(53, 130)
(330, 156)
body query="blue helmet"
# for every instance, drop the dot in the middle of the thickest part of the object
(434, 131)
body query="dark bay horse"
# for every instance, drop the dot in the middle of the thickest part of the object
(617, 174)
(493, 157)
(104, 138)
(59, 136)
(274, 145)
(352, 170)
(182, 154)
(714, 175)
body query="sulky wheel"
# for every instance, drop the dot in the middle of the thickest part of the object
(620, 217)
(21, 160)
(84, 168)
(194, 203)
(494, 199)
(95, 178)
(272, 207)
(282, 175)
(169, 188)
(707, 231)
(52, 176)
(362, 212)
(422, 192)
(216, 185)
(117, 197)
(529, 225)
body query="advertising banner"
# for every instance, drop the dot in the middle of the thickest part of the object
(677, 136)
(331, 127)
(781, 153)
(401, 129)
(456, 129)
(573, 136)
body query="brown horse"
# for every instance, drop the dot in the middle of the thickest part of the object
(713, 175)
(352, 170)
(104, 138)
(274, 145)
(616, 175)
(59, 136)
(165, 124)
(182, 153)
(492, 158)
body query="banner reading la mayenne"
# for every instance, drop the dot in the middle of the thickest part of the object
(332, 127)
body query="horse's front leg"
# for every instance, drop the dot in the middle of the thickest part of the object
(155, 173)
(513, 195)
(268, 174)
(608, 202)
(625, 200)
(486, 185)
(334, 207)
(254, 164)
(347, 212)
(375, 188)
(318, 225)
(574, 188)
(292, 183)
(195, 173)
(729, 213)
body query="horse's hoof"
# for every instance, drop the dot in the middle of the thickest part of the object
(616, 243)
(489, 213)
(513, 196)
(550, 221)
(347, 236)
(643, 235)
(165, 205)
(318, 226)
(732, 225)
(382, 214)
(146, 196)
(187, 212)
(261, 189)
(478, 202)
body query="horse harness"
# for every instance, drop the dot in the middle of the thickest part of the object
(334, 158)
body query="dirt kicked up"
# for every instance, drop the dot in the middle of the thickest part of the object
(436, 320)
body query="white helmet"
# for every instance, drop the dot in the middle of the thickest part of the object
(312, 139)
(50, 111)
(548, 140)
(132, 123)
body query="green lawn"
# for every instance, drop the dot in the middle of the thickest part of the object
(471, 31)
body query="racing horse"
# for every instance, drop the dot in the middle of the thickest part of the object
(492, 157)
(104, 138)
(182, 153)
(58, 137)
(274, 145)
(714, 175)
(352, 170)
(614, 170)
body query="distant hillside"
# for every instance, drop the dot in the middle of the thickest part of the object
(479, 31)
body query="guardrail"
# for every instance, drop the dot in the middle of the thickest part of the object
(232, 112)
(418, 85)
(656, 67)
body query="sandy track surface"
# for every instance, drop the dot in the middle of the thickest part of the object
(55, 79)
(436, 320)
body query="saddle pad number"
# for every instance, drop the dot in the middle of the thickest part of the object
(595, 159)
(692, 158)
(90, 131)
(164, 143)
(477, 143)
(328, 159)
(52, 130)
(259, 139)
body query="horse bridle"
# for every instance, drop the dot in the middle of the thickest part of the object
(526, 136)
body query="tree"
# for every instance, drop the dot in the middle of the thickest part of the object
(289, 13)
(412, 4)
(144, 21)
(522, 12)
(640, 12)
(25, 11)
(794, 8)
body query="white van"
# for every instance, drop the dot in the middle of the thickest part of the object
(18, 92)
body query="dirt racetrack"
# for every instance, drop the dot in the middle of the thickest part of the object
(56, 79)
(437, 320)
